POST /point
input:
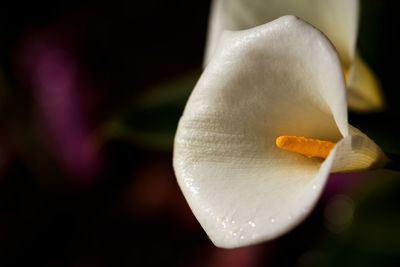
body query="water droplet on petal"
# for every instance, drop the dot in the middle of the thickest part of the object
(314, 187)
(251, 223)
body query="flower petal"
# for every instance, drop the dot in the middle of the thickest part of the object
(338, 19)
(357, 152)
(281, 78)
(364, 92)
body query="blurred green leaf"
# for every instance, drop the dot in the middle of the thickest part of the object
(376, 219)
(152, 119)
(374, 235)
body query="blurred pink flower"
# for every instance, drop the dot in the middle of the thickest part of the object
(58, 89)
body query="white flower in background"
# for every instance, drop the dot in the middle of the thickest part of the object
(266, 87)
(338, 19)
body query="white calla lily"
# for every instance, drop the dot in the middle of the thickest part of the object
(280, 78)
(338, 19)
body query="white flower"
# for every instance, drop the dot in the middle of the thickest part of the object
(283, 78)
(338, 19)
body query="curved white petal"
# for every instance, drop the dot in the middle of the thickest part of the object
(357, 152)
(364, 92)
(281, 78)
(338, 19)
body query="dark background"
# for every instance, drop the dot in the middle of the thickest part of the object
(126, 69)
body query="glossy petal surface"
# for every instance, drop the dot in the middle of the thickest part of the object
(280, 78)
(338, 19)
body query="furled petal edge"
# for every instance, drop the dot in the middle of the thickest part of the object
(357, 152)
